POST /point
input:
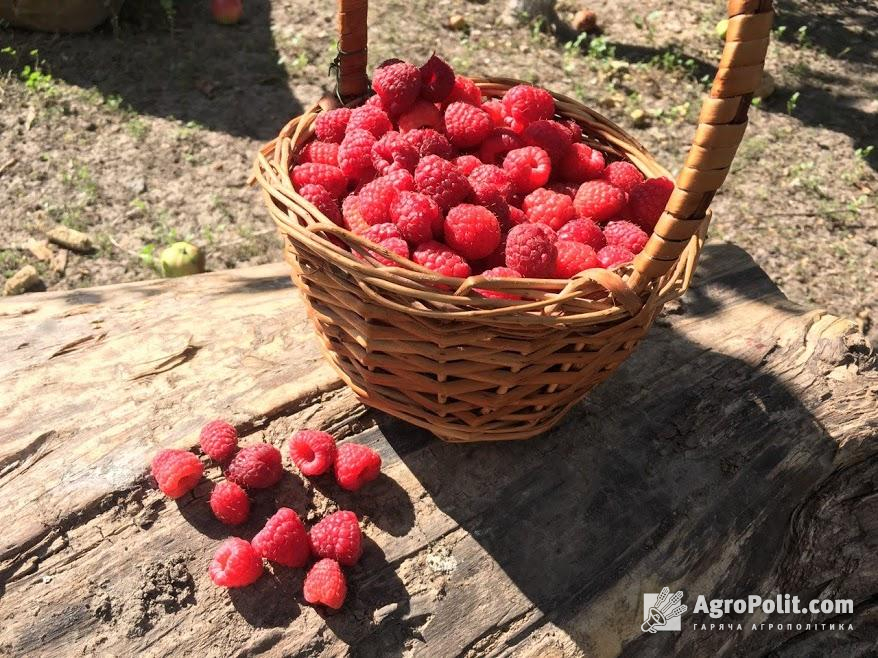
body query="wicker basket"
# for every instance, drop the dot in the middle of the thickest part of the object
(426, 348)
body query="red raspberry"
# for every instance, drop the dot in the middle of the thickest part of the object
(543, 206)
(320, 152)
(176, 471)
(396, 245)
(312, 451)
(371, 118)
(584, 231)
(439, 258)
(376, 102)
(356, 464)
(581, 163)
(218, 440)
(498, 273)
(472, 231)
(599, 201)
(464, 91)
(437, 79)
(375, 199)
(338, 537)
(627, 235)
(496, 258)
(498, 144)
(494, 108)
(567, 189)
(393, 152)
(574, 257)
(422, 114)
(466, 164)
(229, 503)
(323, 201)
(330, 178)
(526, 104)
(614, 255)
(330, 126)
(467, 125)
(623, 175)
(647, 201)
(490, 184)
(355, 154)
(429, 142)
(352, 218)
(398, 85)
(256, 467)
(235, 564)
(380, 232)
(574, 129)
(530, 249)
(283, 539)
(550, 136)
(441, 180)
(326, 584)
(528, 167)
(401, 180)
(417, 216)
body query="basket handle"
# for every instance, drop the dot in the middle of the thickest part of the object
(350, 62)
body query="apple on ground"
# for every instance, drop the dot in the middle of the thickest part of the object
(227, 12)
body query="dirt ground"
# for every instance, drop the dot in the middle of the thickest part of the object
(143, 132)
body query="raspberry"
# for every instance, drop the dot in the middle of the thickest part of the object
(472, 231)
(496, 258)
(647, 201)
(376, 102)
(550, 136)
(623, 175)
(323, 201)
(568, 189)
(422, 114)
(574, 257)
(439, 258)
(466, 164)
(375, 199)
(417, 216)
(283, 539)
(398, 85)
(494, 108)
(176, 471)
(581, 163)
(627, 235)
(330, 178)
(320, 152)
(338, 537)
(437, 79)
(530, 249)
(312, 451)
(397, 246)
(235, 564)
(526, 104)
(599, 201)
(229, 503)
(529, 168)
(440, 179)
(330, 126)
(371, 118)
(401, 180)
(352, 218)
(464, 91)
(584, 231)
(256, 467)
(467, 125)
(218, 440)
(498, 273)
(429, 142)
(614, 255)
(490, 184)
(543, 206)
(355, 154)
(393, 152)
(516, 216)
(356, 464)
(380, 232)
(574, 129)
(498, 144)
(326, 584)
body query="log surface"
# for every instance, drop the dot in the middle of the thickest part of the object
(734, 453)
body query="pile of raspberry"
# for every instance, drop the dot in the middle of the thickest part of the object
(333, 542)
(432, 172)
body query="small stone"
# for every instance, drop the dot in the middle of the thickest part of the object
(59, 261)
(39, 248)
(457, 23)
(138, 186)
(585, 20)
(71, 239)
(639, 118)
(766, 88)
(25, 279)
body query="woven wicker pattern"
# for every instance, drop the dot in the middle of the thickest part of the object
(430, 350)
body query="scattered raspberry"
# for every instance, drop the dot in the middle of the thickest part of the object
(398, 85)
(574, 257)
(498, 144)
(550, 136)
(229, 503)
(467, 125)
(401, 180)
(529, 168)
(283, 539)
(581, 163)
(584, 231)
(516, 216)
(352, 218)
(614, 255)
(429, 142)
(338, 537)
(396, 245)
(526, 104)
(599, 201)
(330, 126)
(320, 152)
(494, 108)
(574, 129)
(441, 180)
(623, 175)
(235, 564)
(437, 79)
(472, 231)
(371, 118)
(218, 440)
(466, 164)
(329, 177)
(627, 235)
(355, 154)
(543, 206)
(647, 201)
(256, 467)
(568, 189)
(422, 114)
(323, 201)
(312, 451)
(393, 152)
(530, 249)
(326, 584)
(375, 199)
(464, 91)
(490, 184)
(417, 216)
(356, 464)
(498, 273)
(176, 471)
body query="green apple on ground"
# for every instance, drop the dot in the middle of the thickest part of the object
(181, 259)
